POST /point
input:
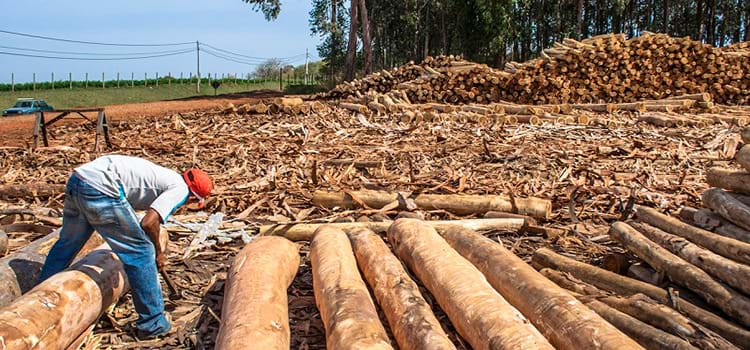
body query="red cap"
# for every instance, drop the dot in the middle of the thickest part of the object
(198, 182)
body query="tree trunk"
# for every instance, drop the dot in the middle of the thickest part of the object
(700, 21)
(412, 321)
(255, 296)
(366, 40)
(626, 286)
(558, 315)
(479, 313)
(346, 309)
(711, 30)
(724, 246)
(60, 310)
(334, 37)
(579, 19)
(646, 310)
(665, 17)
(350, 65)
(683, 273)
(734, 274)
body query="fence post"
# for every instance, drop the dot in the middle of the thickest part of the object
(102, 80)
(87, 80)
(209, 78)
(181, 82)
(169, 79)
(157, 79)
(53, 80)
(70, 80)
(132, 80)
(145, 79)
(118, 80)
(12, 82)
(33, 81)
(281, 79)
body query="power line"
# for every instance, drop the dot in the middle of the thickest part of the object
(228, 58)
(88, 42)
(95, 58)
(90, 53)
(251, 57)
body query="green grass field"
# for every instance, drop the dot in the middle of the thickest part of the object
(81, 97)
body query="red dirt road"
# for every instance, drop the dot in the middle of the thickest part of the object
(17, 131)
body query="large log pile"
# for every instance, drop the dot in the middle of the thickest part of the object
(607, 68)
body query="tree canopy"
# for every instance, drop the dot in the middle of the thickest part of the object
(496, 31)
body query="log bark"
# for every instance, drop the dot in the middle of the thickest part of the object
(304, 232)
(480, 204)
(255, 312)
(683, 273)
(19, 271)
(457, 204)
(726, 247)
(411, 319)
(646, 310)
(743, 157)
(59, 310)
(479, 313)
(734, 274)
(713, 222)
(729, 208)
(745, 135)
(3, 243)
(649, 337)
(612, 282)
(732, 180)
(345, 306)
(562, 319)
(31, 190)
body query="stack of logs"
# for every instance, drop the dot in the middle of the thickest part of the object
(607, 68)
(387, 80)
(493, 298)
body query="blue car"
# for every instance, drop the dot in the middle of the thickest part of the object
(27, 106)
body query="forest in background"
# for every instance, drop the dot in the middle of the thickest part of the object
(361, 36)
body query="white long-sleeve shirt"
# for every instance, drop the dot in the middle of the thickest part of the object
(144, 184)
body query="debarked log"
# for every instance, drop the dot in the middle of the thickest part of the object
(345, 306)
(255, 311)
(457, 204)
(304, 232)
(566, 322)
(683, 273)
(19, 271)
(412, 321)
(59, 310)
(479, 313)
(621, 285)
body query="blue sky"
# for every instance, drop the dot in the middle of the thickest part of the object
(226, 24)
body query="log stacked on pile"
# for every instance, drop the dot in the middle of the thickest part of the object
(607, 68)
(611, 68)
(386, 80)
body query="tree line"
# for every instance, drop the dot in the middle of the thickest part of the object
(360, 36)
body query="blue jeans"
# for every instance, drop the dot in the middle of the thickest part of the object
(87, 209)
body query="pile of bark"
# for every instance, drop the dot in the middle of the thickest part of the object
(607, 68)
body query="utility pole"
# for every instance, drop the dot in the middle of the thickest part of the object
(307, 56)
(198, 57)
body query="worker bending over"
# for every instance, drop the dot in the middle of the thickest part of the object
(103, 195)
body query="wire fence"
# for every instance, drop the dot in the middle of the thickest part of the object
(155, 80)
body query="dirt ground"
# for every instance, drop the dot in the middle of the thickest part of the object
(17, 131)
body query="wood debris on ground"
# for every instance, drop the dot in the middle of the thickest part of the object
(596, 163)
